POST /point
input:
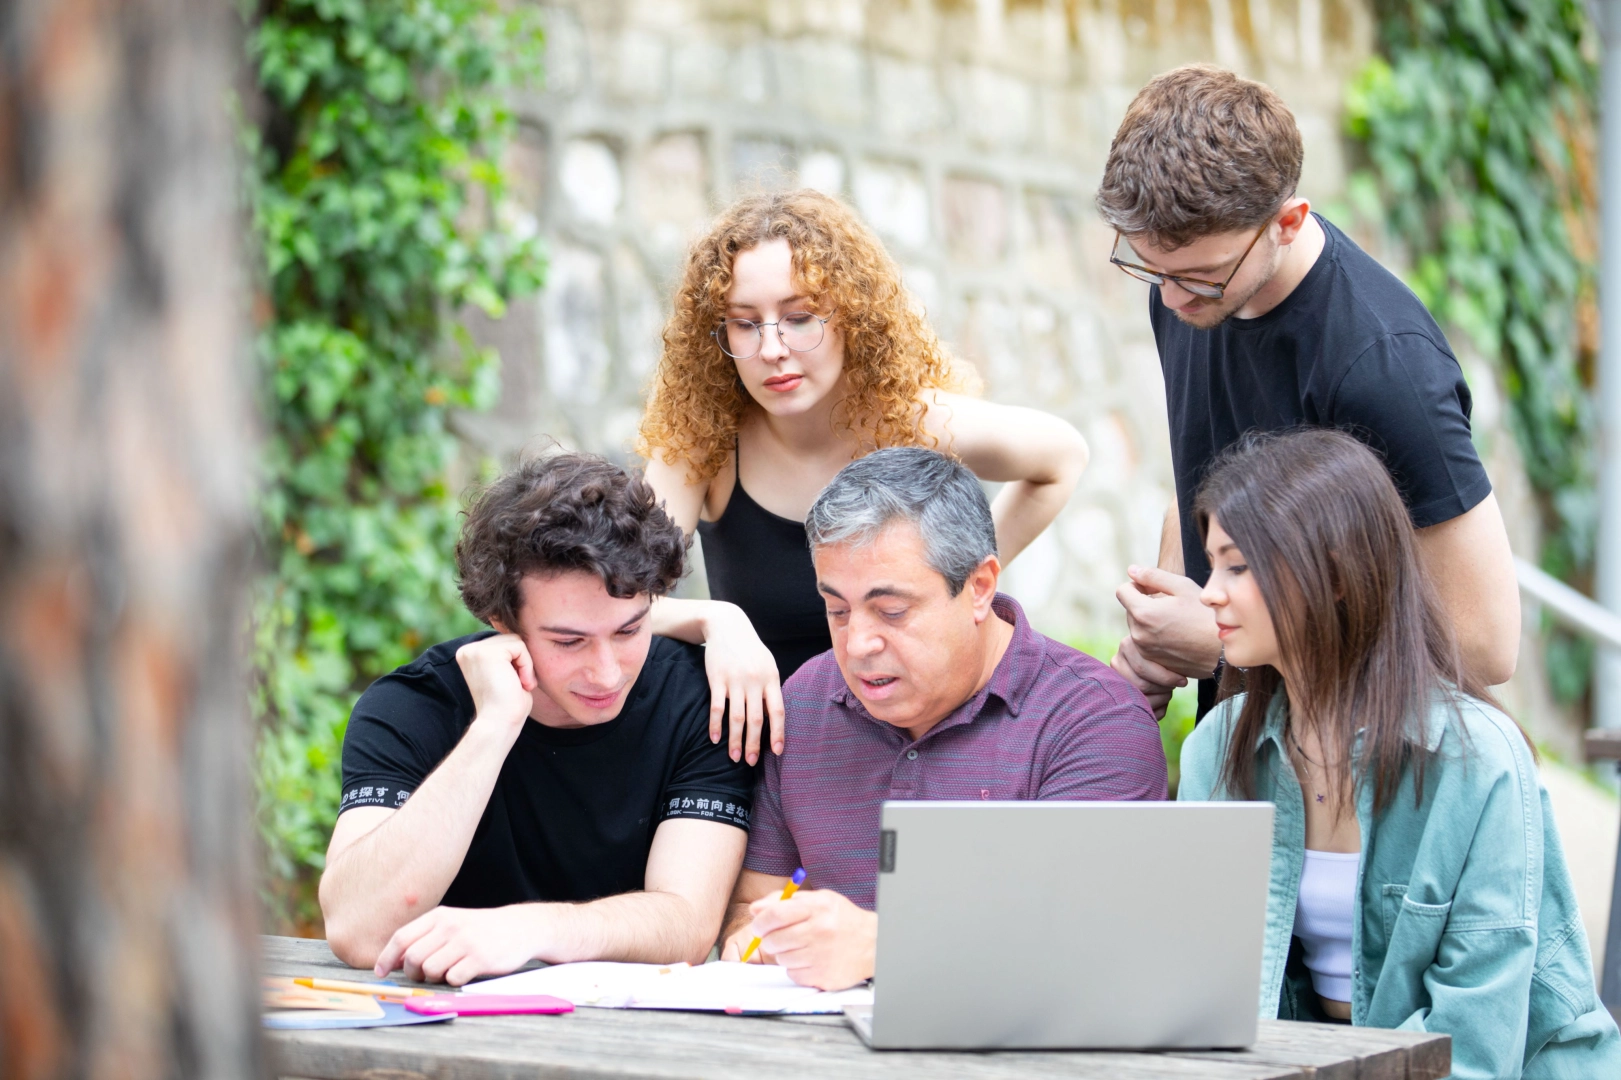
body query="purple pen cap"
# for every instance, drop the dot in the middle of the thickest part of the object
(799, 876)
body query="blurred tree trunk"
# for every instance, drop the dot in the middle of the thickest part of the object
(127, 910)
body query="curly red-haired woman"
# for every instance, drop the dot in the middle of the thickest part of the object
(794, 349)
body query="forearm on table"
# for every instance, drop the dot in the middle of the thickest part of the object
(641, 927)
(402, 867)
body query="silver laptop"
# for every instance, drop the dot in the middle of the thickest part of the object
(1068, 925)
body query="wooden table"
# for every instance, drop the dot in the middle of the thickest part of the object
(636, 1044)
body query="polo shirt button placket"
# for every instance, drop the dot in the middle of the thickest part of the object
(903, 780)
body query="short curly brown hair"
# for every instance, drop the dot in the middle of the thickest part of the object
(891, 356)
(551, 515)
(1200, 152)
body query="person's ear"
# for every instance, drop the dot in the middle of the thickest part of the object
(498, 626)
(1291, 219)
(981, 585)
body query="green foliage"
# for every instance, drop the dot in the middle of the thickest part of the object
(379, 203)
(1477, 124)
(1178, 722)
(1176, 727)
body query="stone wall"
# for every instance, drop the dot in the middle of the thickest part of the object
(971, 135)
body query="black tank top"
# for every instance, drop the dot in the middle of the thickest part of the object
(760, 562)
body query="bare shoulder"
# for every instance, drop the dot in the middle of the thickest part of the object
(670, 475)
(684, 493)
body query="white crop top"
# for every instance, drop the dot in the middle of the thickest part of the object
(1323, 915)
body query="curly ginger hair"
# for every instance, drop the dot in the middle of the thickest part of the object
(891, 356)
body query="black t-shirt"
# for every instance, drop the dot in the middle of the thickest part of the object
(1351, 347)
(573, 812)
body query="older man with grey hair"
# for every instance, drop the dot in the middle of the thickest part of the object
(936, 688)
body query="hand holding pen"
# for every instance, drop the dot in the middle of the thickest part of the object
(787, 891)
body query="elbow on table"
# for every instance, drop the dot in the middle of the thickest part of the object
(351, 945)
(702, 933)
(356, 945)
(700, 941)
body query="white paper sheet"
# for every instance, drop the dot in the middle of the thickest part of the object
(716, 987)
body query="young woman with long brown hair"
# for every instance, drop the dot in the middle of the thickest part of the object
(794, 349)
(1417, 876)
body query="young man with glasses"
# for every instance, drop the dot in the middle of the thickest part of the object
(1267, 317)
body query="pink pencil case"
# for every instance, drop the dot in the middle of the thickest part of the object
(488, 1004)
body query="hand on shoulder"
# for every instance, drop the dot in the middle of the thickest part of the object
(743, 673)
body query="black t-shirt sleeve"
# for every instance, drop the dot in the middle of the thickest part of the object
(402, 727)
(1408, 400)
(706, 782)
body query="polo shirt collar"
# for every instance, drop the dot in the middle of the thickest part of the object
(1015, 673)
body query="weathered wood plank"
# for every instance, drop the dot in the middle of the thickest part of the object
(1373, 1053)
(635, 1045)
(655, 1048)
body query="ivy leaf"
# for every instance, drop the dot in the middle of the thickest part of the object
(379, 118)
(1473, 119)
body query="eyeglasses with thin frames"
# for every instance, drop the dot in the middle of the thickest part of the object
(1210, 290)
(799, 331)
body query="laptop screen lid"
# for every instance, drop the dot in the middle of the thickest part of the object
(1070, 924)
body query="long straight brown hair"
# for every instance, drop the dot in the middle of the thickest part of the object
(1360, 628)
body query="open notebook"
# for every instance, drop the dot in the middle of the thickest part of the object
(717, 987)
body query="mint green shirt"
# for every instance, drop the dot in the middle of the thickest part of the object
(1467, 922)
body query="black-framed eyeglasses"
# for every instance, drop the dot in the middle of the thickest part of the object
(742, 339)
(1210, 290)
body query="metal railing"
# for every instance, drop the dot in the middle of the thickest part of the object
(1569, 606)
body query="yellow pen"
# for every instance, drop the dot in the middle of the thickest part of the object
(344, 986)
(787, 891)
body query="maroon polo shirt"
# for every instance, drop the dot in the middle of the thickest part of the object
(1052, 723)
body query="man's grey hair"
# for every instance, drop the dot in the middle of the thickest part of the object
(933, 492)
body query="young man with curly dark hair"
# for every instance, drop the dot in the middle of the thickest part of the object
(546, 789)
